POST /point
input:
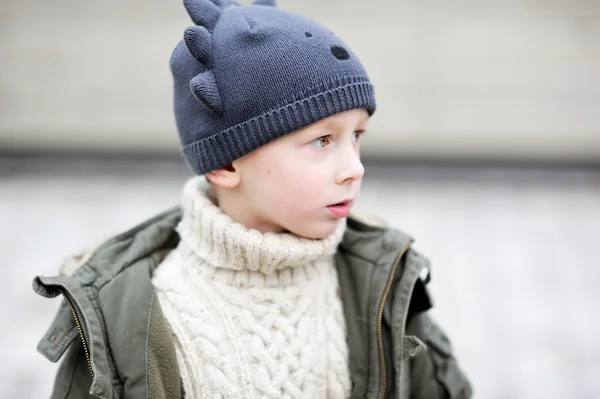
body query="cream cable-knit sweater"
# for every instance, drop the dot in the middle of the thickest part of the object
(253, 315)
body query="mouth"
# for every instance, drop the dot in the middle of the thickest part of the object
(345, 202)
(340, 209)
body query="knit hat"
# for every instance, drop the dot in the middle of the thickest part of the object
(246, 75)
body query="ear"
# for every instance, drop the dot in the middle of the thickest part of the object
(227, 176)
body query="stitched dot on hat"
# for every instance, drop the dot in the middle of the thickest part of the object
(307, 34)
(340, 53)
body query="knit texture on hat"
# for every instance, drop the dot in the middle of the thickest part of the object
(253, 315)
(246, 75)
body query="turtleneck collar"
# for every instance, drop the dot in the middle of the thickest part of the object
(223, 243)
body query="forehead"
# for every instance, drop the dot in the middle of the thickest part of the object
(349, 119)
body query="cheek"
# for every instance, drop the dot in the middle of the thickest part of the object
(293, 186)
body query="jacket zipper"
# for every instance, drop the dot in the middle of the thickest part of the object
(382, 366)
(80, 330)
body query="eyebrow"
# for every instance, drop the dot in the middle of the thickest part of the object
(361, 123)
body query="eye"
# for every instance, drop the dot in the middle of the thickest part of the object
(356, 135)
(321, 142)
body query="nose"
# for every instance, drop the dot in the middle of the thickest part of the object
(350, 167)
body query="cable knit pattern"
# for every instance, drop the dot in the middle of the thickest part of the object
(253, 315)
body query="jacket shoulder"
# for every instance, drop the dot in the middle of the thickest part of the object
(103, 287)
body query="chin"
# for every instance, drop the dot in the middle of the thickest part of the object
(315, 230)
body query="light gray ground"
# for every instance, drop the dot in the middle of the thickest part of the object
(515, 257)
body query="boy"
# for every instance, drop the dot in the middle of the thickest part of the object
(259, 285)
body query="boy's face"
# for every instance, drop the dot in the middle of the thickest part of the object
(303, 182)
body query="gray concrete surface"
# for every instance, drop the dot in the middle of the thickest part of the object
(515, 260)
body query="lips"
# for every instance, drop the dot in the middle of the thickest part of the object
(340, 209)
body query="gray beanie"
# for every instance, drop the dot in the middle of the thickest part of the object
(246, 75)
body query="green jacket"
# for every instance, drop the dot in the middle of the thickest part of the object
(116, 342)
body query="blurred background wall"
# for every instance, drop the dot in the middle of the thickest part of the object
(512, 79)
(513, 245)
